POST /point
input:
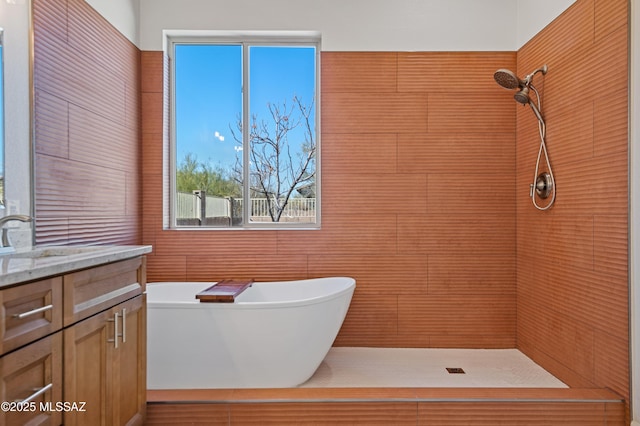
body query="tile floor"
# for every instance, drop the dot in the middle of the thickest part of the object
(402, 367)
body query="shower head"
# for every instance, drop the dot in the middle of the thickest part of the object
(522, 96)
(507, 79)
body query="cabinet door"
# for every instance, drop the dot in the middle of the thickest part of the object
(104, 366)
(88, 368)
(32, 374)
(130, 381)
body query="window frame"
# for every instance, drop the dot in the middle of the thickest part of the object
(246, 40)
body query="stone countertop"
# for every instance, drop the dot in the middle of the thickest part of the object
(40, 262)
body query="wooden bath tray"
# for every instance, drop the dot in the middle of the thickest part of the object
(224, 291)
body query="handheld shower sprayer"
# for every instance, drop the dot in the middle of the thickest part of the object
(543, 184)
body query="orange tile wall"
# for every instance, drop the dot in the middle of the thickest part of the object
(418, 169)
(86, 127)
(572, 261)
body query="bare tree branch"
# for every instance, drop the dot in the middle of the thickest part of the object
(281, 160)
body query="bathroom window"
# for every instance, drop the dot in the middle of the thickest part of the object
(245, 118)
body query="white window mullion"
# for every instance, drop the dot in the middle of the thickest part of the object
(246, 131)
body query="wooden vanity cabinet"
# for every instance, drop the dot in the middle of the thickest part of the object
(78, 338)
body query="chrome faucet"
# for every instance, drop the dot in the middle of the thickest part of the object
(5, 231)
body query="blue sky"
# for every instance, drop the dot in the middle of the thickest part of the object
(209, 92)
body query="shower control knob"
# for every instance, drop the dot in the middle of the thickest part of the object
(544, 185)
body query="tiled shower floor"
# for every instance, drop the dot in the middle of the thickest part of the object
(406, 368)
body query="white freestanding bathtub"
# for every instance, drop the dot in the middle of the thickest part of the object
(275, 334)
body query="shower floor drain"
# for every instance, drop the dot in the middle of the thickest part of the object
(455, 370)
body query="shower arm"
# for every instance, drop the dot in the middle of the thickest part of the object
(527, 80)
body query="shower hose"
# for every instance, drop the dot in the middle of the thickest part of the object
(542, 129)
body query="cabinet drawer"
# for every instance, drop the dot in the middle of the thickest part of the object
(33, 374)
(28, 312)
(93, 290)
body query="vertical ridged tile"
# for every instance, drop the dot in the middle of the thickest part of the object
(375, 273)
(213, 242)
(546, 331)
(376, 193)
(451, 315)
(588, 298)
(366, 233)
(456, 234)
(421, 406)
(193, 414)
(570, 134)
(152, 72)
(166, 268)
(612, 362)
(354, 72)
(78, 190)
(373, 151)
(372, 320)
(563, 241)
(99, 141)
(596, 186)
(462, 72)
(611, 245)
(572, 261)
(356, 112)
(387, 180)
(51, 124)
(259, 268)
(611, 124)
(609, 16)
(480, 274)
(481, 193)
(457, 153)
(88, 174)
(369, 413)
(476, 112)
(536, 414)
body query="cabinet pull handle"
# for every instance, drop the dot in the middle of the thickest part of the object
(124, 325)
(115, 330)
(34, 395)
(33, 312)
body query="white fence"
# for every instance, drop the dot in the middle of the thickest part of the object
(189, 206)
(296, 207)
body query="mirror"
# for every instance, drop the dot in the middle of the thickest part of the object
(16, 117)
(2, 203)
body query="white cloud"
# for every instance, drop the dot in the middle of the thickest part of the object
(218, 136)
